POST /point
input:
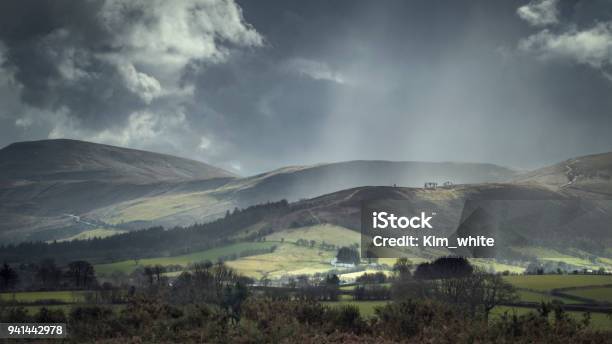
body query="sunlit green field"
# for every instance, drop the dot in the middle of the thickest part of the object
(287, 259)
(548, 282)
(555, 256)
(331, 234)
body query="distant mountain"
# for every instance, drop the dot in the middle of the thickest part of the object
(43, 182)
(71, 160)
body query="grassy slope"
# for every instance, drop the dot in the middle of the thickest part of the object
(158, 207)
(94, 233)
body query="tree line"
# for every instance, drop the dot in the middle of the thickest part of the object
(47, 275)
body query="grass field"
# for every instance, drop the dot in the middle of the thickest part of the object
(599, 294)
(555, 256)
(287, 259)
(128, 266)
(36, 296)
(549, 282)
(530, 296)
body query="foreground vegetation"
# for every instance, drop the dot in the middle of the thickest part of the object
(212, 303)
(266, 320)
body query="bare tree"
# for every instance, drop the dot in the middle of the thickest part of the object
(495, 291)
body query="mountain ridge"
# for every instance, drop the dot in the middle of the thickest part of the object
(143, 188)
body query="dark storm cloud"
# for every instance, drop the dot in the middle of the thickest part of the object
(45, 40)
(261, 84)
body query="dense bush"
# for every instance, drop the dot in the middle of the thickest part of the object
(263, 320)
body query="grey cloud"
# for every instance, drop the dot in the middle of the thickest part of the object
(592, 46)
(588, 44)
(540, 12)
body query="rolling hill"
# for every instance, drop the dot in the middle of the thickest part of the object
(72, 160)
(590, 174)
(43, 182)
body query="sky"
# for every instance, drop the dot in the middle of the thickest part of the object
(256, 85)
